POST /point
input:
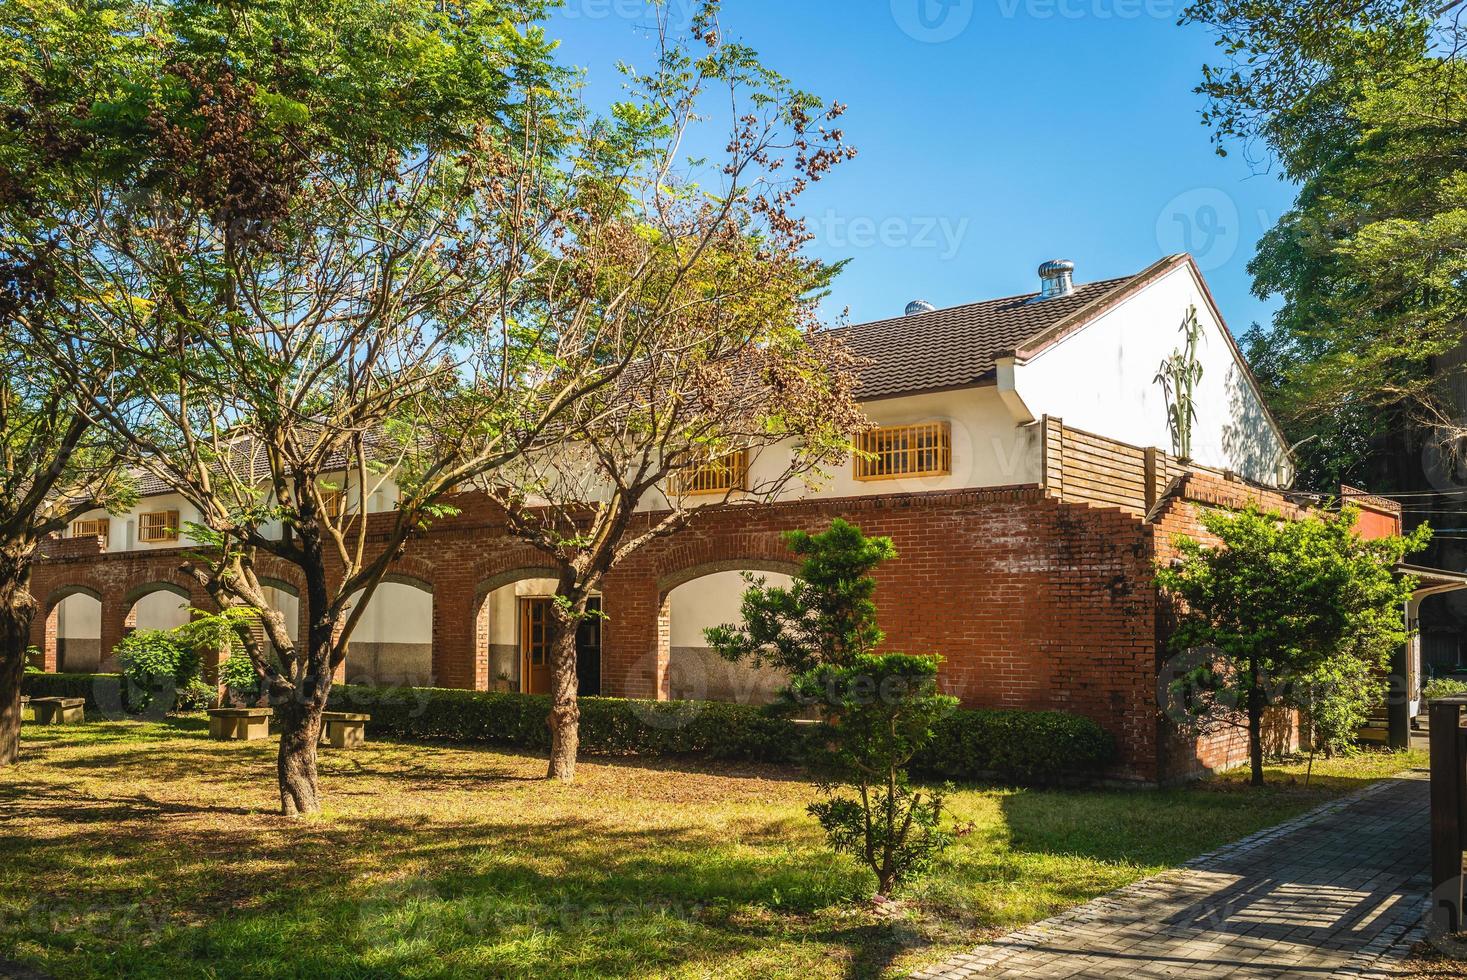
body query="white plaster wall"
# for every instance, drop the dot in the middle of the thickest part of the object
(161, 611)
(1102, 379)
(287, 605)
(381, 495)
(696, 670)
(79, 617)
(712, 600)
(397, 613)
(989, 449)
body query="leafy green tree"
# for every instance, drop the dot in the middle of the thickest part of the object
(879, 709)
(1276, 604)
(313, 271)
(58, 77)
(1363, 105)
(827, 616)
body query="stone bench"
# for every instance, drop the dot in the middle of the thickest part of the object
(58, 711)
(26, 714)
(343, 729)
(240, 724)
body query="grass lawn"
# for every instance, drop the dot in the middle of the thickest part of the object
(146, 849)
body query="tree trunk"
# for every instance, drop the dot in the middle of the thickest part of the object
(300, 716)
(565, 708)
(1255, 727)
(300, 734)
(16, 611)
(14, 631)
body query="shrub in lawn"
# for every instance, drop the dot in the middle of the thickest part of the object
(156, 665)
(881, 712)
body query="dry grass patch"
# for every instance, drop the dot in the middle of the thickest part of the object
(147, 850)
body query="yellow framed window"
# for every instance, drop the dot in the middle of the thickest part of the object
(98, 528)
(160, 525)
(334, 501)
(730, 472)
(896, 451)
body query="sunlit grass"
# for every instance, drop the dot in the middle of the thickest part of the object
(145, 849)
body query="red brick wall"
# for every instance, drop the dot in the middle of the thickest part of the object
(1033, 602)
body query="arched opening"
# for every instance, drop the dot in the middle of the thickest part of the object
(75, 627)
(284, 598)
(393, 641)
(512, 631)
(703, 600)
(159, 606)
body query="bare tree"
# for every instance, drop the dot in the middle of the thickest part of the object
(732, 394)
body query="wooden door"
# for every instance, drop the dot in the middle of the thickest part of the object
(535, 626)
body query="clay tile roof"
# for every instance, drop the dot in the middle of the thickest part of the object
(959, 346)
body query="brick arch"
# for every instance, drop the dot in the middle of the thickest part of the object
(133, 595)
(408, 570)
(45, 624)
(667, 584)
(510, 577)
(670, 581)
(412, 581)
(63, 592)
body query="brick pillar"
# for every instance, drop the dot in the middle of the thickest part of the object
(456, 662)
(117, 620)
(43, 638)
(634, 643)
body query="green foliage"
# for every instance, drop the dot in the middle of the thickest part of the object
(1337, 696)
(1278, 605)
(1363, 105)
(1020, 746)
(156, 666)
(102, 692)
(881, 711)
(1443, 687)
(609, 726)
(826, 616)
(1179, 375)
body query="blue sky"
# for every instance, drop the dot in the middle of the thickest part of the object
(993, 134)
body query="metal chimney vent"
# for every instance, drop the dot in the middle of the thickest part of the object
(919, 306)
(1056, 278)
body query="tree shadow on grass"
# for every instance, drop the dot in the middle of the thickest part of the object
(390, 896)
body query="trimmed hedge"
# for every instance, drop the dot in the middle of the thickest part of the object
(1027, 746)
(1024, 746)
(103, 692)
(609, 726)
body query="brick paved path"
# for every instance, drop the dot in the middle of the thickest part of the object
(1324, 895)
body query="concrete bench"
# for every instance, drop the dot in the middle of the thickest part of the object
(343, 729)
(240, 724)
(26, 714)
(58, 711)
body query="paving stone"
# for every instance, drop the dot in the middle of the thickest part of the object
(1338, 892)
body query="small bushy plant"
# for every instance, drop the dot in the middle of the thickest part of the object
(882, 710)
(156, 665)
(1443, 687)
